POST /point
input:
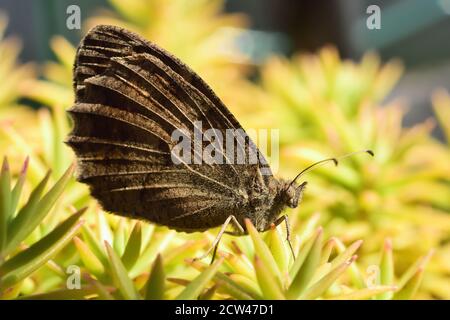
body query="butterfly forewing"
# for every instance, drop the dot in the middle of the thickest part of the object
(130, 97)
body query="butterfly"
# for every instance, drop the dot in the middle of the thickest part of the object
(130, 96)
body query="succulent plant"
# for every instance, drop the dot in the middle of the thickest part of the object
(323, 106)
(321, 270)
(27, 244)
(328, 107)
(137, 266)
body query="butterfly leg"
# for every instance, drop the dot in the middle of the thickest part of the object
(288, 231)
(231, 219)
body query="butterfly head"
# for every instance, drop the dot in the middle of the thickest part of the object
(292, 194)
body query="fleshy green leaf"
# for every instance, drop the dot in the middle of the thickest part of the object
(120, 276)
(267, 282)
(90, 260)
(347, 254)
(27, 261)
(410, 288)
(232, 284)
(410, 282)
(149, 254)
(278, 249)
(240, 265)
(209, 293)
(323, 284)
(412, 270)
(5, 202)
(154, 288)
(356, 276)
(33, 213)
(245, 285)
(303, 253)
(133, 248)
(119, 237)
(93, 243)
(308, 268)
(386, 269)
(104, 228)
(327, 249)
(17, 190)
(262, 251)
(195, 287)
(104, 293)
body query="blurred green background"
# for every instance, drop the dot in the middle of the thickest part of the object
(414, 31)
(312, 70)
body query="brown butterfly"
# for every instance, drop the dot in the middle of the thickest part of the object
(130, 97)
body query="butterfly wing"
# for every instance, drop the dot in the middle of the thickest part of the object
(130, 97)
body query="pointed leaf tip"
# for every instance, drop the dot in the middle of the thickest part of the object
(194, 288)
(5, 165)
(25, 165)
(262, 250)
(120, 275)
(155, 286)
(388, 244)
(268, 284)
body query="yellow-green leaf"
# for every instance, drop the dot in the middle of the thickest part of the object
(120, 275)
(154, 288)
(267, 282)
(262, 251)
(305, 273)
(323, 284)
(195, 287)
(27, 261)
(133, 248)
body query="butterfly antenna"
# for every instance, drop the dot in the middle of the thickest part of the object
(335, 161)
